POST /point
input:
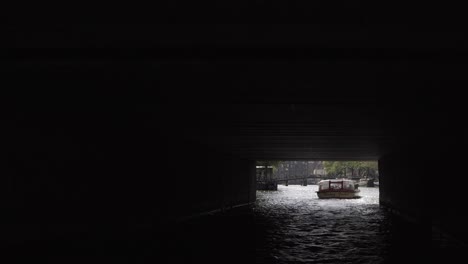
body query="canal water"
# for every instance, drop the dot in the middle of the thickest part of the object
(292, 225)
(297, 227)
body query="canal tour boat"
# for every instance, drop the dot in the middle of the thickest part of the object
(338, 188)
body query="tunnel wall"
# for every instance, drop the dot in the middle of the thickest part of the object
(401, 185)
(423, 178)
(97, 176)
(209, 180)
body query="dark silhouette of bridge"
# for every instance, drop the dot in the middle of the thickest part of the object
(85, 166)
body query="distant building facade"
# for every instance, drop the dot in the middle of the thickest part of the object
(293, 169)
(319, 171)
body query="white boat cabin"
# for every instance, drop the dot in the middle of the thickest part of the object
(338, 184)
(338, 188)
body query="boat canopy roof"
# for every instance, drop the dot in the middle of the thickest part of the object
(335, 180)
(336, 184)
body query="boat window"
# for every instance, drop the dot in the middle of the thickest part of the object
(323, 186)
(336, 185)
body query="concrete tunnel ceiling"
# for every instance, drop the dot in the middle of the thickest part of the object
(292, 131)
(339, 91)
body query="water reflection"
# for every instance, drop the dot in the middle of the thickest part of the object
(292, 225)
(299, 227)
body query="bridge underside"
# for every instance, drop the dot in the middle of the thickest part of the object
(134, 125)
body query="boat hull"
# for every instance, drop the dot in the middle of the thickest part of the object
(338, 195)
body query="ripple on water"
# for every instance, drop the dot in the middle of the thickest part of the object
(302, 228)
